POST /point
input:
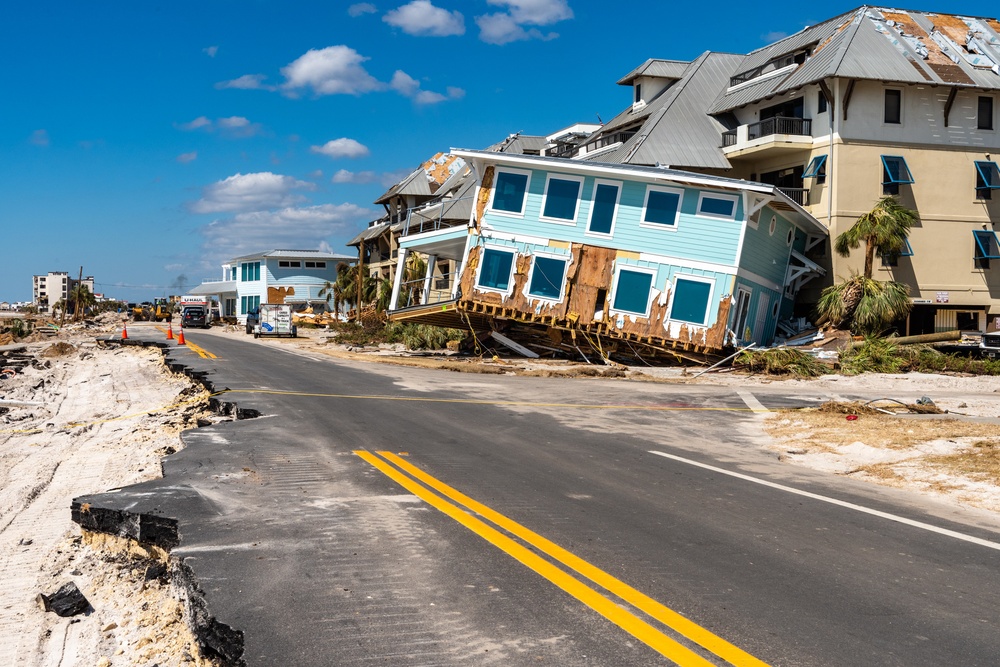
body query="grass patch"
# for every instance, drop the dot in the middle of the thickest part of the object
(981, 464)
(881, 355)
(780, 361)
(413, 336)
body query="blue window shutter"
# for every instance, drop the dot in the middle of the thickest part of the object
(560, 199)
(632, 291)
(690, 301)
(509, 192)
(547, 278)
(816, 167)
(987, 246)
(988, 175)
(895, 170)
(661, 207)
(602, 216)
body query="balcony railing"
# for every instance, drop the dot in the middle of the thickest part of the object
(798, 195)
(418, 222)
(411, 292)
(769, 127)
(609, 139)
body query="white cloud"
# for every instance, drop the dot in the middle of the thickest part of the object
(455, 93)
(196, 124)
(289, 227)
(776, 36)
(361, 8)
(184, 158)
(233, 126)
(428, 97)
(246, 82)
(423, 19)
(339, 148)
(499, 29)
(211, 51)
(249, 192)
(536, 12)
(385, 179)
(407, 86)
(404, 84)
(330, 71)
(173, 267)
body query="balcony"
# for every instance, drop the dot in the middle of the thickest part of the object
(777, 134)
(798, 195)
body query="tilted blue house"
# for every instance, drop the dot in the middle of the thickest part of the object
(657, 257)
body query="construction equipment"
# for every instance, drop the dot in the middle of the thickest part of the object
(161, 311)
(142, 312)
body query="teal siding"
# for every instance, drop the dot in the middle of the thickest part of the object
(762, 299)
(695, 238)
(764, 254)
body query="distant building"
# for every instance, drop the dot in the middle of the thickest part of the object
(48, 289)
(273, 276)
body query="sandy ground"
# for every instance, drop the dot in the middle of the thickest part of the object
(86, 426)
(96, 419)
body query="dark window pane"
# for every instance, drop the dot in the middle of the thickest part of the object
(690, 301)
(821, 103)
(509, 194)
(560, 200)
(496, 269)
(718, 206)
(893, 102)
(547, 278)
(602, 217)
(985, 113)
(632, 292)
(661, 207)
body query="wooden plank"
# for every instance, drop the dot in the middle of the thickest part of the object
(507, 342)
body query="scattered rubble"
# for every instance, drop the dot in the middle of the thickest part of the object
(65, 602)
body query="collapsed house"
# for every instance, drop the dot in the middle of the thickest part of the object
(607, 254)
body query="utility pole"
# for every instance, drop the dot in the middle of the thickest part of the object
(361, 266)
(79, 283)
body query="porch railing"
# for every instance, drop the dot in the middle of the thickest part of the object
(411, 292)
(798, 195)
(417, 223)
(769, 127)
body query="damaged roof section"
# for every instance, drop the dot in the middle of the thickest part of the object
(426, 179)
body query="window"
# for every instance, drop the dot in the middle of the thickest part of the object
(985, 115)
(232, 273)
(495, 271)
(987, 179)
(250, 271)
(638, 94)
(603, 209)
(821, 102)
(742, 313)
(248, 303)
(717, 206)
(893, 106)
(987, 247)
(894, 172)
(816, 169)
(790, 237)
(509, 191)
(773, 226)
(662, 207)
(690, 300)
(562, 197)
(315, 265)
(286, 264)
(548, 275)
(631, 293)
(892, 258)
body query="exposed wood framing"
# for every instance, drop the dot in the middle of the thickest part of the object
(483, 198)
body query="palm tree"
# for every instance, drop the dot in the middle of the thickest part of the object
(331, 291)
(869, 305)
(413, 278)
(884, 228)
(81, 298)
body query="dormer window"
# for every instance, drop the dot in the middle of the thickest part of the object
(638, 93)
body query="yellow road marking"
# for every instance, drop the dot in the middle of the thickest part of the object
(200, 351)
(661, 613)
(641, 630)
(474, 401)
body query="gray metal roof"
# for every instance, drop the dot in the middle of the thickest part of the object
(879, 44)
(292, 254)
(414, 184)
(213, 287)
(369, 232)
(664, 69)
(520, 144)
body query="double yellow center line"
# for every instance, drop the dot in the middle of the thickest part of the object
(200, 351)
(458, 506)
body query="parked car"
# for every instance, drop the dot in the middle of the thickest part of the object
(253, 319)
(194, 316)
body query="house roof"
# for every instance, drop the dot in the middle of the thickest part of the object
(369, 232)
(293, 254)
(425, 179)
(520, 144)
(664, 69)
(214, 287)
(879, 44)
(616, 170)
(677, 129)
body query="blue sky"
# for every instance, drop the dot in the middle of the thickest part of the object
(148, 142)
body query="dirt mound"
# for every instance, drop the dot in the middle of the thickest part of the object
(59, 349)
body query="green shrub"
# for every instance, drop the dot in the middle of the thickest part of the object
(874, 355)
(780, 361)
(413, 336)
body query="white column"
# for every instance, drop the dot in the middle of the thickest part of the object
(398, 279)
(431, 260)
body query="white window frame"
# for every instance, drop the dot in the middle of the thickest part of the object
(565, 259)
(773, 225)
(289, 264)
(714, 195)
(513, 267)
(614, 214)
(673, 292)
(614, 289)
(545, 197)
(493, 191)
(659, 225)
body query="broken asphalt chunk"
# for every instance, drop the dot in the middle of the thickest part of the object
(67, 601)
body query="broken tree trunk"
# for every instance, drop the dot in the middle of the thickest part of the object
(928, 338)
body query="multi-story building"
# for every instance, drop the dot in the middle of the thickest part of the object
(49, 289)
(875, 101)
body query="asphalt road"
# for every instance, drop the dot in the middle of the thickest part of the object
(397, 516)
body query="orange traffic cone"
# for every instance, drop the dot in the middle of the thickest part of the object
(180, 338)
(124, 331)
(170, 330)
